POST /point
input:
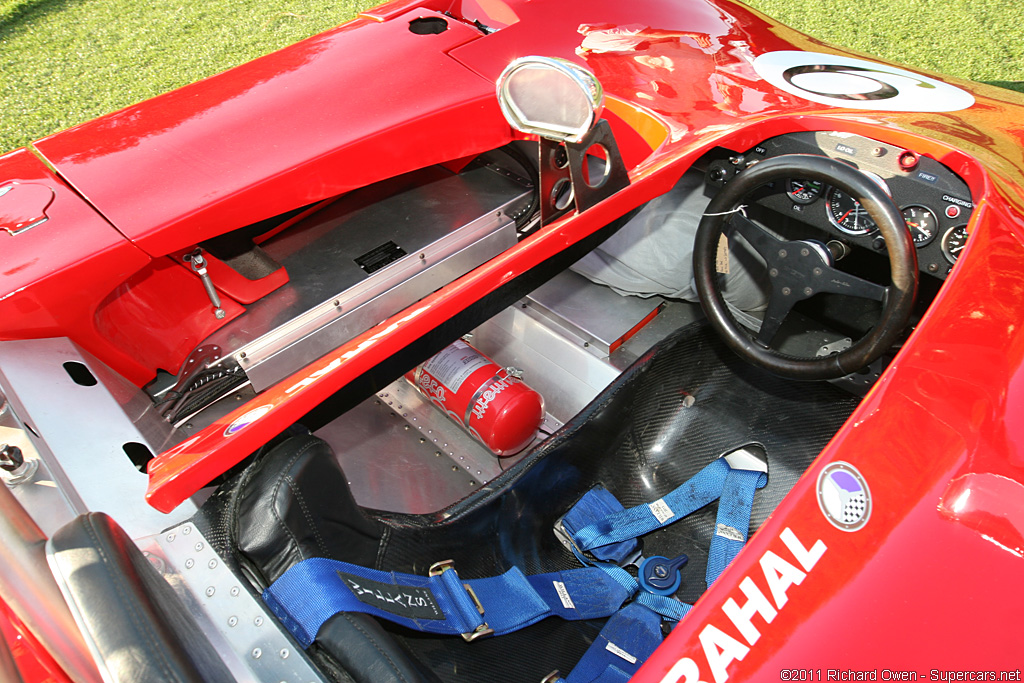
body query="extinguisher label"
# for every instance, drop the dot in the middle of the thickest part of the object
(455, 364)
(483, 401)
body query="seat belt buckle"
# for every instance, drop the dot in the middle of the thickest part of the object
(439, 568)
(660, 575)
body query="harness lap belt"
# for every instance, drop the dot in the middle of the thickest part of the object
(625, 642)
(314, 590)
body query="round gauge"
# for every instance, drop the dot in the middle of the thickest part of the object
(922, 223)
(848, 215)
(953, 242)
(803, 191)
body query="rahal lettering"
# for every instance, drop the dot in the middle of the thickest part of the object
(722, 648)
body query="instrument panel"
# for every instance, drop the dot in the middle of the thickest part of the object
(935, 202)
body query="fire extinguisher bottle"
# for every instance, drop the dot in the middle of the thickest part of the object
(492, 403)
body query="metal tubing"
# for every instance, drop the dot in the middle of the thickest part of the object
(28, 586)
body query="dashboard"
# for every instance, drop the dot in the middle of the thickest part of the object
(935, 202)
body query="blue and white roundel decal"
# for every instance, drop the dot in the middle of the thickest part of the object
(843, 496)
(247, 419)
(857, 83)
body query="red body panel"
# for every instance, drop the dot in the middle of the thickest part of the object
(931, 582)
(33, 662)
(56, 273)
(175, 325)
(283, 131)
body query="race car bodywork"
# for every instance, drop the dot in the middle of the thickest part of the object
(174, 298)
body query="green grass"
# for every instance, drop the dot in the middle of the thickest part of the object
(63, 62)
(67, 61)
(980, 40)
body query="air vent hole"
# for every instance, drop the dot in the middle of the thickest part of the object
(81, 375)
(561, 194)
(426, 26)
(596, 166)
(139, 454)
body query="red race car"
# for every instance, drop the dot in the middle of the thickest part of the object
(511, 340)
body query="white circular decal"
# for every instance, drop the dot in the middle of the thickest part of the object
(843, 496)
(857, 83)
(247, 419)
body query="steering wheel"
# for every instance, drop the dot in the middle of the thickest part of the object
(799, 269)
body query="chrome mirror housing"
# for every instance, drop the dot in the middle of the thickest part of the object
(550, 97)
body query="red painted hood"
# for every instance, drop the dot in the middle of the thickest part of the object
(314, 120)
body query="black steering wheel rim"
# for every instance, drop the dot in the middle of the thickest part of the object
(898, 299)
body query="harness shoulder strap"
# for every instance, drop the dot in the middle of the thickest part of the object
(701, 489)
(733, 522)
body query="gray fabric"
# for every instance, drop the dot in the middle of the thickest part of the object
(652, 255)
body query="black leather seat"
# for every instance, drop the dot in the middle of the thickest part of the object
(134, 622)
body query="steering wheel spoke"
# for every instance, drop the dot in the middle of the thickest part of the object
(775, 314)
(835, 281)
(763, 242)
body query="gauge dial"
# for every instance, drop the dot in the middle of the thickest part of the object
(953, 242)
(847, 214)
(803, 191)
(922, 223)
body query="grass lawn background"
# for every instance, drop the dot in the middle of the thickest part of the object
(67, 61)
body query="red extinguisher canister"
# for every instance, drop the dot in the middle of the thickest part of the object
(491, 402)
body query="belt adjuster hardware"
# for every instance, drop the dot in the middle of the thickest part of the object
(634, 558)
(566, 539)
(483, 629)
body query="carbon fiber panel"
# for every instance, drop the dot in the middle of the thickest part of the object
(685, 403)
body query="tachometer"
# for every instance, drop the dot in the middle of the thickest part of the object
(848, 215)
(922, 223)
(953, 242)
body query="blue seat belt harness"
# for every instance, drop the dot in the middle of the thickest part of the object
(599, 531)
(603, 534)
(314, 590)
